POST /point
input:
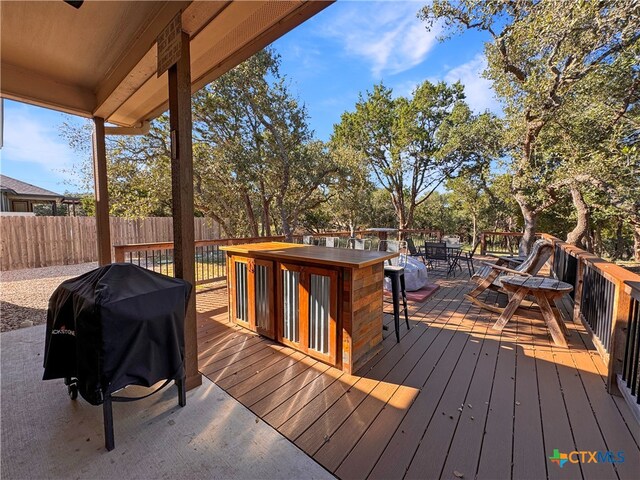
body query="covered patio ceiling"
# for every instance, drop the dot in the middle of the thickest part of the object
(100, 60)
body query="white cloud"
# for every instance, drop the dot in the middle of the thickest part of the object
(32, 139)
(405, 88)
(478, 91)
(387, 35)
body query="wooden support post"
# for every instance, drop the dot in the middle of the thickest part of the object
(619, 331)
(182, 191)
(552, 259)
(101, 192)
(577, 291)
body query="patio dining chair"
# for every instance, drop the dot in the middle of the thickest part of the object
(332, 242)
(434, 253)
(468, 258)
(394, 246)
(359, 243)
(308, 240)
(489, 276)
(451, 240)
(415, 251)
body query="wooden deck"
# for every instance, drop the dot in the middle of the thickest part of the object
(453, 399)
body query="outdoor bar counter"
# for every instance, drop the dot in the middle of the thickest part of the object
(325, 302)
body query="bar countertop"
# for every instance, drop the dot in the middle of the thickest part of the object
(341, 257)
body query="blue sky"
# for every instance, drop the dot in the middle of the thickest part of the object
(329, 60)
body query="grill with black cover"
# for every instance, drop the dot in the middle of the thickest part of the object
(116, 326)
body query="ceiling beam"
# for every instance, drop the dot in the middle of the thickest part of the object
(27, 86)
(305, 11)
(137, 65)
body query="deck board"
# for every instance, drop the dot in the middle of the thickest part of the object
(528, 440)
(557, 428)
(398, 416)
(431, 454)
(464, 451)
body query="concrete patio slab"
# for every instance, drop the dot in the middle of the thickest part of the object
(47, 435)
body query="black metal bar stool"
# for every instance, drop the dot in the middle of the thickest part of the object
(396, 275)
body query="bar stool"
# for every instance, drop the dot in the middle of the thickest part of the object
(396, 275)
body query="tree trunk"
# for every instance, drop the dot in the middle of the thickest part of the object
(475, 231)
(529, 213)
(222, 223)
(266, 214)
(530, 225)
(588, 241)
(597, 241)
(401, 219)
(617, 254)
(253, 225)
(578, 234)
(266, 218)
(398, 208)
(636, 242)
(286, 227)
(408, 223)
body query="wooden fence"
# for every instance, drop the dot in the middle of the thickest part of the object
(30, 242)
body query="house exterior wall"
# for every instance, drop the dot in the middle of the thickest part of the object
(23, 203)
(4, 203)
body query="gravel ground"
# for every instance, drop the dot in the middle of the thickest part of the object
(24, 294)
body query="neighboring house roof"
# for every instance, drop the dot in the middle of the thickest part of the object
(17, 187)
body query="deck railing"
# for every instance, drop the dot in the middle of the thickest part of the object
(500, 242)
(210, 260)
(629, 379)
(605, 300)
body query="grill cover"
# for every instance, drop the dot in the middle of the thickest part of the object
(115, 326)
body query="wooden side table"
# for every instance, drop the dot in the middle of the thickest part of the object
(546, 291)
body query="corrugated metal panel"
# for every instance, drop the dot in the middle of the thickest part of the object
(241, 291)
(262, 297)
(319, 313)
(291, 302)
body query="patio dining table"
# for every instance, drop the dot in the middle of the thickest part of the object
(445, 253)
(453, 257)
(546, 292)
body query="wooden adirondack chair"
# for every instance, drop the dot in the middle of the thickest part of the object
(489, 275)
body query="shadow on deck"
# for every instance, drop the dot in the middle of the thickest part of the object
(453, 399)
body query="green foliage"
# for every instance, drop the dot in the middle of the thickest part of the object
(265, 157)
(567, 73)
(382, 214)
(350, 198)
(46, 210)
(412, 145)
(547, 61)
(256, 164)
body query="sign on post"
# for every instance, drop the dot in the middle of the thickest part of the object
(169, 44)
